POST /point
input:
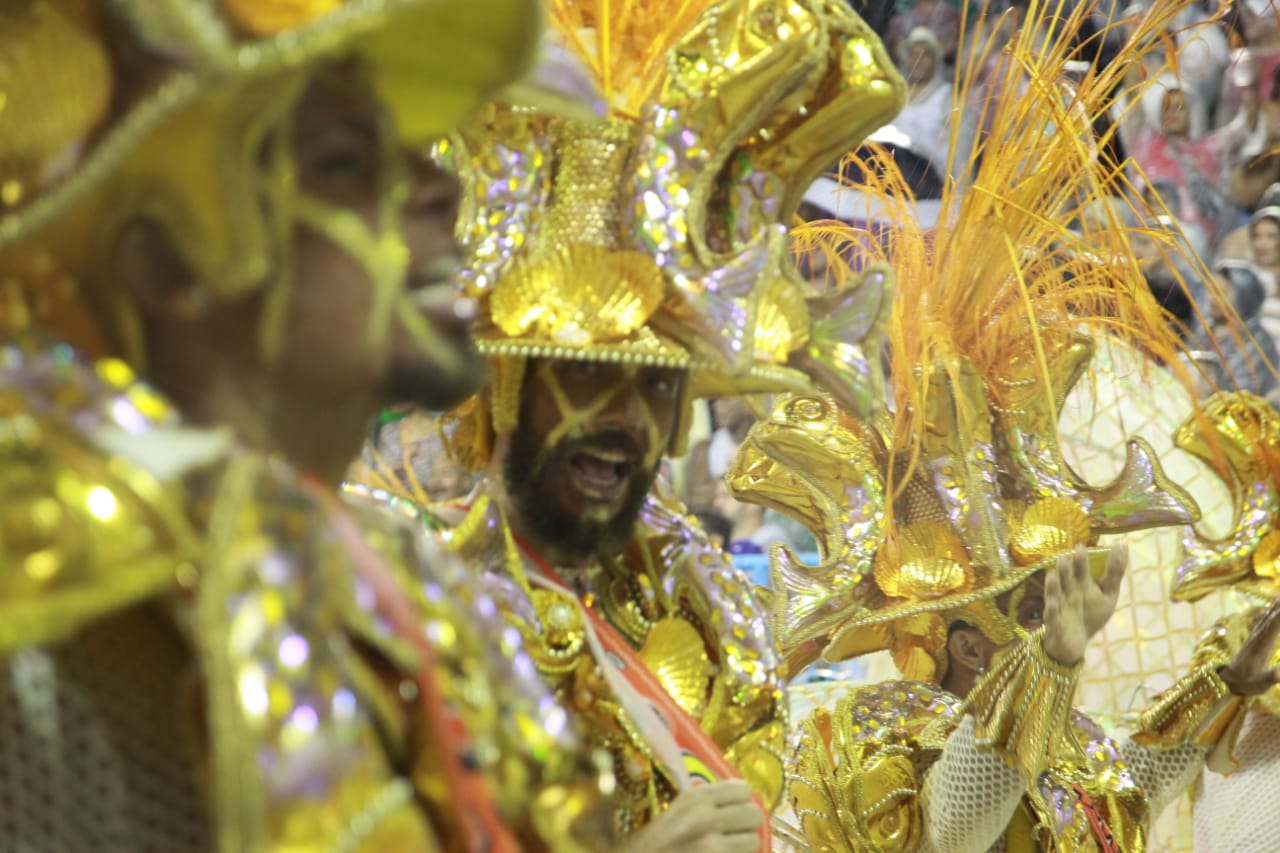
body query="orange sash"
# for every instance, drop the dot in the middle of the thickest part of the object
(472, 814)
(1101, 831)
(702, 759)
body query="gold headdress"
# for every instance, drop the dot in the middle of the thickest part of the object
(657, 236)
(109, 106)
(928, 515)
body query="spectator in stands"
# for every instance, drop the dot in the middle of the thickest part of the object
(731, 419)
(1238, 245)
(937, 16)
(1203, 53)
(1165, 133)
(1260, 23)
(1256, 165)
(923, 121)
(1245, 348)
(1264, 251)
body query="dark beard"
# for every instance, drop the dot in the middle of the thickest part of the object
(532, 495)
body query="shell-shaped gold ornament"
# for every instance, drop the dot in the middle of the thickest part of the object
(933, 538)
(578, 295)
(676, 654)
(1049, 527)
(931, 562)
(928, 578)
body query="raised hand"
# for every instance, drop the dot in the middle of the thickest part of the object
(716, 818)
(1076, 606)
(1251, 672)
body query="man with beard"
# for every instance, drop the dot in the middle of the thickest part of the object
(605, 312)
(201, 648)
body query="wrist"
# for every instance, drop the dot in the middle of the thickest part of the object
(1064, 655)
(1239, 684)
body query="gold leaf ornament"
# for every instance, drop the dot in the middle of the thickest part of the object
(887, 798)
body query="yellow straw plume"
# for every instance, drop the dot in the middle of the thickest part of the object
(625, 43)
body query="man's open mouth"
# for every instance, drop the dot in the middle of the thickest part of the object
(601, 473)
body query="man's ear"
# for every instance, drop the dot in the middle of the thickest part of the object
(968, 649)
(149, 271)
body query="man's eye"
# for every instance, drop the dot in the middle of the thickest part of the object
(341, 162)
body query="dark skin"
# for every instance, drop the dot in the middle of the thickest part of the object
(590, 438)
(314, 402)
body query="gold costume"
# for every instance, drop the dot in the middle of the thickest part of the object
(940, 512)
(200, 648)
(658, 238)
(1238, 436)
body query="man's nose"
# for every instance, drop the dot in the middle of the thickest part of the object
(624, 407)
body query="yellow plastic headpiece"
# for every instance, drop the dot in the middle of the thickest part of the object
(658, 236)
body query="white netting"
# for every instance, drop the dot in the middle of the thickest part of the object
(1237, 813)
(1164, 774)
(970, 796)
(1148, 643)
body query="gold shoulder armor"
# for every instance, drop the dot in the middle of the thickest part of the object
(83, 530)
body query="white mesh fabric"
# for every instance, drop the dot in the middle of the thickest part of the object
(970, 795)
(1237, 813)
(98, 744)
(1164, 774)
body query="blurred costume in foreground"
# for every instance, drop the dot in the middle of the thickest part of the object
(201, 647)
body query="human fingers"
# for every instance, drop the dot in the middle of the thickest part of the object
(1117, 565)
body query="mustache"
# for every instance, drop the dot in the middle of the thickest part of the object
(611, 440)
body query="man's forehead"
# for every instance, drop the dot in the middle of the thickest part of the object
(338, 90)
